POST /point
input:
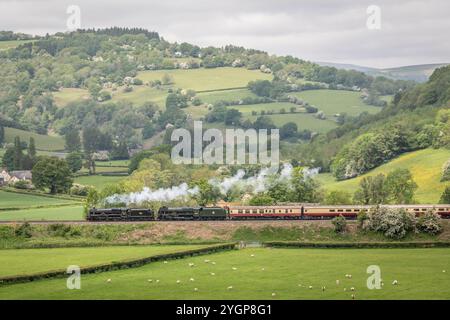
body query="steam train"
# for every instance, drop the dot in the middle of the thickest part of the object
(300, 212)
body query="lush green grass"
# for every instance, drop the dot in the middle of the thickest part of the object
(112, 163)
(68, 95)
(43, 142)
(332, 102)
(260, 273)
(20, 200)
(29, 261)
(74, 212)
(207, 79)
(140, 95)
(425, 165)
(303, 121)
(4, 45)
(98, 181)
(227, 95)
(106, 169)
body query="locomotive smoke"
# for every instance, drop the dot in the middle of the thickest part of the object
(254, 185)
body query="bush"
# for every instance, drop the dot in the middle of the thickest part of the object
(24, 230)
(340, 224)
(430, 223)
(446, 171)
(21, 184)
(393, 223)
(79, 190)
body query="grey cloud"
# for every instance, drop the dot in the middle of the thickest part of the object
(413, 32)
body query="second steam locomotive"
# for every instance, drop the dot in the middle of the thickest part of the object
(300, 212)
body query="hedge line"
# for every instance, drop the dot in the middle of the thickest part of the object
(116, 265)
(41, 206)
(40, 194)
(416, 244)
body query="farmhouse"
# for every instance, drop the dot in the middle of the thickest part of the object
(14, 176)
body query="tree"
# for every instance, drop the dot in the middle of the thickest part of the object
(18, 154)
(400, 186)
(261, 200)
(445, 197)
(337, 197)
(8, 159)
(371, 190)
(91, 136)
(32, 148)
(73, 142)
(52, 173)
(232, 117)
(288, 130)
(2, 134)
(207, 193)
(74, 161)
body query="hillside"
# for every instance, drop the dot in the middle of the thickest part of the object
(425, 166)
(418, 73)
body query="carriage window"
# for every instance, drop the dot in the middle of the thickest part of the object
(348, 210)
(424, 209)
(340, 210)
(247, 211)
(416, 210)
(332, 210)
(255, 211)
(239, 211)
(441, 209)
(306, 210)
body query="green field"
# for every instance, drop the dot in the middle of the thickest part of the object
(20, 200)
(68, 95)
(207, 79)
(74, 212)
(112, 163)
(140, 95)
(98, 181)
(332, 102)
(4, 45)
(43, 142)
(29, 261)
(425, 165)
(263, 274)
(227, 95)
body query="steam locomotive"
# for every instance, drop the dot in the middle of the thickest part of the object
(300, 212)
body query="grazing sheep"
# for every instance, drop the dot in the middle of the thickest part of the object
(353, 297)
(213, 263)
(352, 289)
(299, 285)
(165, 262)
(206, 261)
(230, 288)
(345, 289)
(157, 281)
(234, 268)
(310, 287)
(191, 264)
(443, 271)
(349, 276)
(109, 280)
(178, 281)
(263, 269)
(191, 279)
(252, 255)
(395, 282)
(150, 280)
(195, 289)
(273, 294)
(337, 282)
(323, 288)
(213, 274)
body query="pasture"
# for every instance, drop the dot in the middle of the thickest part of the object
(29, 261)
(227, 95)
(66, 212)
(425, 166)
(140, 95)
(43, 142)
(97, 181)
(10, 44)
(207, 79)
(20, 200)
(261, 273)
(336, 101)
(68, 95)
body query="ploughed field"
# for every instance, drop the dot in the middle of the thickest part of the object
(262, 273)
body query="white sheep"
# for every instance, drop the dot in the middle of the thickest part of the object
(310, 287)
(206, 261)
(345, 289)
(178, 281)
(349, 276)
(337, 282)
(150, 280)
(352, 289)
(273, 294)
(234, 268)
(165, 262)
(109, 280)
(353, 297)
(263, 269)
(195, 289)
(213, 274)
(443, 271)
(252, 255)
(213, 263)
(395, 282)
(157, 281)
(191, 264)
(191, 279)
(323, 288)
(230, 288)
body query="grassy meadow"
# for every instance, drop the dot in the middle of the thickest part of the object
(332, 102)
(66, 212)
(10, 44)
(207, 79)
(261, 273)
(425, 166)
(20, 200)
(43, 142)
(68, 95)
(29, 261)
(98, 181)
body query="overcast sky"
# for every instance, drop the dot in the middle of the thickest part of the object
(412, 32)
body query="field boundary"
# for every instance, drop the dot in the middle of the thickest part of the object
(39, 194)
(358, 245)
(42, 206)
(125, 264)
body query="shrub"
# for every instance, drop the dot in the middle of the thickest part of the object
(340, 224)
(362, 218)
(393, 223)
(446, 171)
(430, 223)
(79, 190)
(24, 230)
(21, 184)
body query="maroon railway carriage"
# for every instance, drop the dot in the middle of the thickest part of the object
(264, 212)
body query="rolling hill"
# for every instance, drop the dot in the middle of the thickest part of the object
(425, 166)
